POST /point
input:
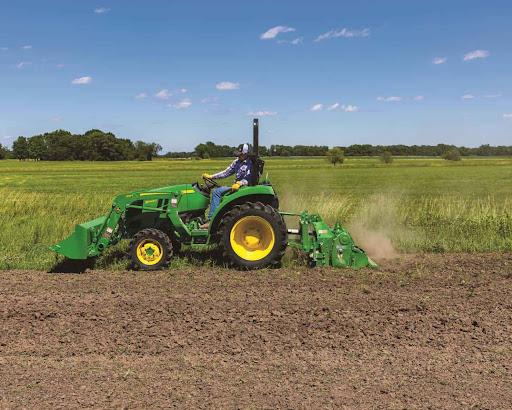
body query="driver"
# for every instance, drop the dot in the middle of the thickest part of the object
(241, 167)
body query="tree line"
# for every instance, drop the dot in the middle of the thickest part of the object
(94, 145)
(425, 150)
(212, 150)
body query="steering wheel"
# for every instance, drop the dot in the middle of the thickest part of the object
(210, 182)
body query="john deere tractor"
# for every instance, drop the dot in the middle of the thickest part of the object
(247, 227)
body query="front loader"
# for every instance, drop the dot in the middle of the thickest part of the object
(247, 226)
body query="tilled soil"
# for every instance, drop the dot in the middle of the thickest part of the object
(427, 331)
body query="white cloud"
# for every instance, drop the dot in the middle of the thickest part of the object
(27, 47)
(294, 42)
(335, 107)
(101, 10)
(468, 97)
(56, 118)
(182, 105)
(392, 98)
(163, 94)
(22, 64)
(439, 60)
(210, 100)
(350, 108)
(183, 90)
(227, 85)
(492, 96)
(419, 98)
(507, 115)
(82, 80)
(4, 48)
(262, 113)
(476, 54)
(346, 33)
(60, 66)
(275, 31)
(141, 96)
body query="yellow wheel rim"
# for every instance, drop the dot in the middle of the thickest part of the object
(252, 238)
(149, 252)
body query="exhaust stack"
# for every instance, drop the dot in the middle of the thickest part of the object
(256, 136)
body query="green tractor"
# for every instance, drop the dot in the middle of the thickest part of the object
(247, 227)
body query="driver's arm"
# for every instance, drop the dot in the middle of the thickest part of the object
(226, 173)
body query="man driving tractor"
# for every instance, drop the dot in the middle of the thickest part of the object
(242, 167)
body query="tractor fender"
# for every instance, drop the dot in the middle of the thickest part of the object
(267, 197)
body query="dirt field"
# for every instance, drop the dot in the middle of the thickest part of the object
(430, 331)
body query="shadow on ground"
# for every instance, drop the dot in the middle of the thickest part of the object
(72, 266)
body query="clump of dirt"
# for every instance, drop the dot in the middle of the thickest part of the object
(430, 331)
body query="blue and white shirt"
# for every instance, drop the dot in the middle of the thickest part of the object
(242, 169)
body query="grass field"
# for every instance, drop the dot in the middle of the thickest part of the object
(418, 204)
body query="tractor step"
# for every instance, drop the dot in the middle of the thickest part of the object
(199, 232)
(199, 236)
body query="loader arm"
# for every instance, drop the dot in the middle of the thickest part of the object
(91, 238)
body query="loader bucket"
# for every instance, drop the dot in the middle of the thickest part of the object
(80, 243)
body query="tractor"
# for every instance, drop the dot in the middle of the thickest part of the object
(247, 228)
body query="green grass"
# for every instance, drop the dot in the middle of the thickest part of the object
(419, 204)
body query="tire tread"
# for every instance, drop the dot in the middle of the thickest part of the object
(236, 213)
(162, 237)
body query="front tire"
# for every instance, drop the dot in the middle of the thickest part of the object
(253, 236)
(150, 249)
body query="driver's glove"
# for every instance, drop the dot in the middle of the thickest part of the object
(207, 176)
(235, 187)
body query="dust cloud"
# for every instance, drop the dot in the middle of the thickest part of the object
(376, 244)
(376, 224)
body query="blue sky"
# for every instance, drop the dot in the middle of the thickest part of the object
(315, 72)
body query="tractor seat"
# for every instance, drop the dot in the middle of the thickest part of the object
(257, 170)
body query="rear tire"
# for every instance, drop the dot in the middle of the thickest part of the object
(150, 249)
(252, 236)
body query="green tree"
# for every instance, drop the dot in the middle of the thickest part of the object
(37, 148)
(202, 151)
(59, 145)
(264, 152)
(103, 146)
(286, 152)
(146, 151)
(3, 152)
(335, 156)
(386, 157)
(20, 148)
(452, 155)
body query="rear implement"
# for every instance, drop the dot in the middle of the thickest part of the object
(326, 246)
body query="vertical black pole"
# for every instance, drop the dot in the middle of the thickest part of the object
(255, 136)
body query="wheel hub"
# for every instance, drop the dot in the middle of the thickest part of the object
(252, 238)
(149, 252)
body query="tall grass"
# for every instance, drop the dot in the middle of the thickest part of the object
(426, 205)
(430, 224)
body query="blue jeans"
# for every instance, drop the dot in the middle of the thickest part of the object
(216, 196)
